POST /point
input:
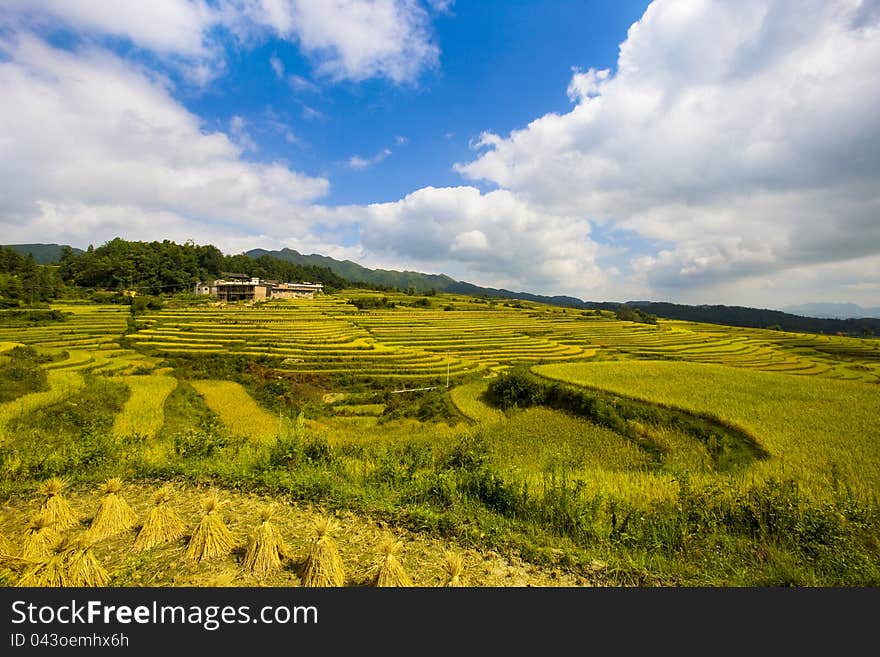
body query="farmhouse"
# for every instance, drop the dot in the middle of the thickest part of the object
(240, 287)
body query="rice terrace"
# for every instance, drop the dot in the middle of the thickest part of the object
(367, 437)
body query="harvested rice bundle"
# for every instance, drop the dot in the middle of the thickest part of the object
(70, 563)
(265, 547)
(114, 515)
(211, 539)
(453, 564)
(39, 538)
(162, 525)
(81, 566)
(323, 565)
(55, 506)
(388, 571)
(47, 570)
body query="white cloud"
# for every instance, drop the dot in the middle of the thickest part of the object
(350, 39)
(310, 113)
(495, 239)
(346, 39)
(734, 140)
(277, 66)
(358, 162)
(164, 26)
(86, 140)
(238, 130)
(300, 84)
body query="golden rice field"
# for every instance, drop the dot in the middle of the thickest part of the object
(237, 410)
(810, 401)
(814, 428)
(62, 384)
(143, 413)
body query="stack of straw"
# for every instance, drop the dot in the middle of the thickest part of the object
(211, 539)
(114, 515)
(323, 565)
(162, 525)
(266, 547)
(388, 571)
(453, 565)
(55, 506)
(70, 563)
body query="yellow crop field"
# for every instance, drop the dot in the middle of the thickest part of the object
(814, 429)
(237, 409)
(466, 398)
(62, 384)
(143, 411)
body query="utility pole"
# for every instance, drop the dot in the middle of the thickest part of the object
(447, 370)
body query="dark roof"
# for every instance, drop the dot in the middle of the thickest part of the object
(229, 274)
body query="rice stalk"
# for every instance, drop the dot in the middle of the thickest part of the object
(265, 548)
(388, 571)
(7, 549)
(56, 508)
(162, 525)
(39, 538)
(211, 538)
(453, 565)
(114, 515)
(323, 566)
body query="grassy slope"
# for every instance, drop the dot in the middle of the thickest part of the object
(813, 428)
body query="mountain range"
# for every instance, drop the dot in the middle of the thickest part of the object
(849, 319)
(404, 280)
(832, 310)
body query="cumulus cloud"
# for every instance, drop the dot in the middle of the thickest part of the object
(345, 39)
(348, 39)
(739, 140)
(86, 138)
(493, 238)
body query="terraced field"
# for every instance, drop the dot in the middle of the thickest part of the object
(375, 402)
(815, 430)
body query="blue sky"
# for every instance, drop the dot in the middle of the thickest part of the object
(700, 151)
(501, 65)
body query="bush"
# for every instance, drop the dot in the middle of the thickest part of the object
(516, 388)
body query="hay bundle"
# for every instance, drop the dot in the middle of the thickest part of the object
(211, 539)
(47, 570)
(114, 515)
(162, 525)
(323, 566)
(453, 564)
(388, 571)
(55, 506)
(70, 563)
(81, 566)
(265, 547)
(40, 538)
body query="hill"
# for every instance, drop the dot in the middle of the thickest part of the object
(832, 310)
(756, 318)
(405, 280)
(44, 254)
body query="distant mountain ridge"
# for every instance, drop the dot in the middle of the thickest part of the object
(833, 310)
(44, 254)
(345, 272)
(403, 280)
